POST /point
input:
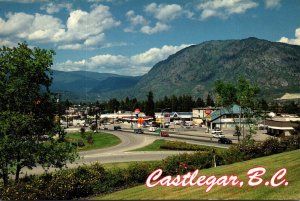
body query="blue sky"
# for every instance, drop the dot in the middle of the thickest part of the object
(129, 36)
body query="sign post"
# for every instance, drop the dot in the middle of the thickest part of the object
(167, 118)
(137, 111)
(207, 112)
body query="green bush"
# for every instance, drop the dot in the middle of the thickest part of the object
(139, 172)
(182, 163)
(60, 185)
(89, 138)
(271, 146)
(175, 145)
(232, 155)
(291, 142)
(80, 143)
(250, 149)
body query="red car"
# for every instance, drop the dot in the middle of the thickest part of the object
(164, 134)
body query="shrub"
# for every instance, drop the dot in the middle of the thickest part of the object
(175, 145)
(182, 163)
(82, 132)
(139, 172)
(80, 143)
(291, 142)
(271, 146)
(232, 155)
(90, 138)
(250, 149)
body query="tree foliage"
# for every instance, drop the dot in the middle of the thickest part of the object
(26, 112)
(150, 106)
(242, 93)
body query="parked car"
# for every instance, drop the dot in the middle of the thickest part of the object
(117, 128)
(218, 135)
(224, 140)
(216, 130)
(138, 131)
(152, 129)
(164, 134)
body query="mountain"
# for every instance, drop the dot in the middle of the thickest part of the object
(87, 86)
(274, 66)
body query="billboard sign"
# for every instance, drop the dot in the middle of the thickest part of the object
(167, 117)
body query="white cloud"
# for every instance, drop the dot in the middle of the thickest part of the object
(94, 40)
(115, 44)
(30, 27)
(155, 55)
(82, 28)
(159, 27)
(224, 8)
(135, 20)
(293, 41)
(164, 12)
(109, 60)
(75, 46)
(270, 4)
(82, 25)
(7, 43)
(55, 8)
(135, 65)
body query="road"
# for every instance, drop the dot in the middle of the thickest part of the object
(130, 141)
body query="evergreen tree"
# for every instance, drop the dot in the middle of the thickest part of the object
(199, 103)
(150, 106)
(209, 101)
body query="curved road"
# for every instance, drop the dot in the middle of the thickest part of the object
(122, 152)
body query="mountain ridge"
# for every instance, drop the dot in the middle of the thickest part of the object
(274, 66)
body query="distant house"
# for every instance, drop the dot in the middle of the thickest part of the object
(280, 128)
(174, 116)
(201, 113)
(226, 118)
(289, 97)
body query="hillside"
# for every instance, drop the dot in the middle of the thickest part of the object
(275, 67)
(85, 85)
(289, 160)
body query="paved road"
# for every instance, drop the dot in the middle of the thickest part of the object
(118, 153)
(130, 141)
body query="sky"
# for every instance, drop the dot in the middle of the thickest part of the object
(128, 37)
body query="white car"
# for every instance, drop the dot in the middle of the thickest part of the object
(152, 129)
(216, 131)
(218, 135)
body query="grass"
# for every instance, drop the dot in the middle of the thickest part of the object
(289, 160)
(101, 140)
(155, 146)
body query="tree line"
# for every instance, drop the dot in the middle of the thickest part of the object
(183, 103)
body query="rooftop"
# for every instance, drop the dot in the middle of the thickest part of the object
(288, 96)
